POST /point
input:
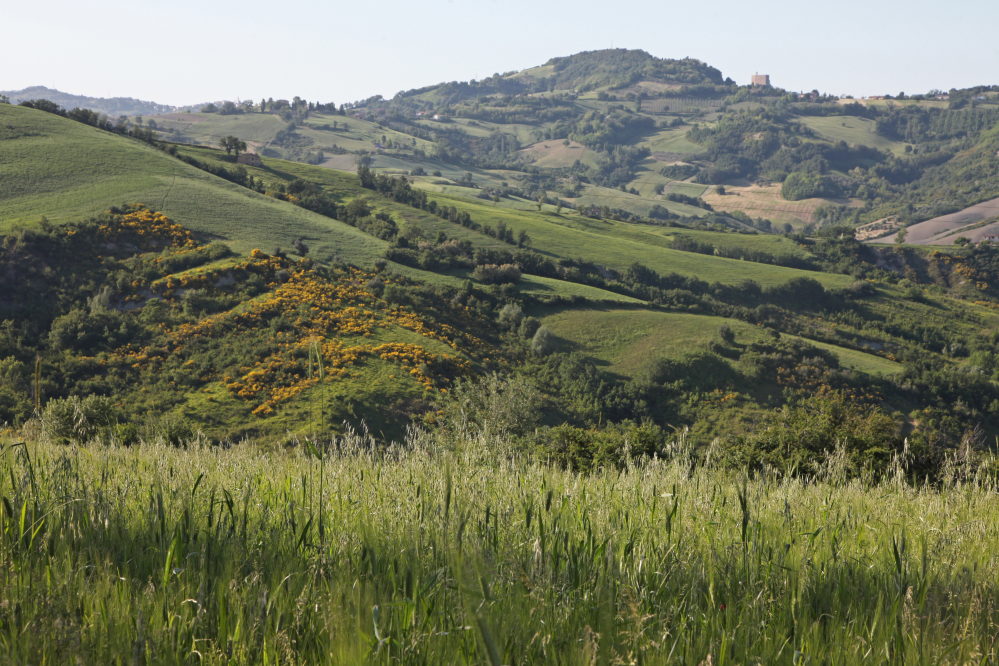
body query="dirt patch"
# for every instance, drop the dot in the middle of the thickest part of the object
(766, 202)
(936, 231)
(554, 153)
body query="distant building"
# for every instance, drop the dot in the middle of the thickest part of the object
(250, 159)
(991, 239)
(761, 79)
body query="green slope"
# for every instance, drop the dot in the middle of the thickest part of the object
(63, 170)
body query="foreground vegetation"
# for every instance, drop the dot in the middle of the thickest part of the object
(344, 553)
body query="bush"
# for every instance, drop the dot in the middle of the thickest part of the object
(528, 327)
(543, 342)
(510, 316)
(726, 333)
(800, 437)
(77, 420)
(123, 434)
(375, 286)
(586, 450)
(497, 274)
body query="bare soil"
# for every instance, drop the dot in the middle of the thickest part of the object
(937, 231)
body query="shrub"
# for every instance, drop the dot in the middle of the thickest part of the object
(586, 450)
(528, 327)
(77, 420)
(510, 316)
(726, 333)
(543, 342)
(799, 437)
(497, 274)
(175, 432)
(490, 408)
(123, 434)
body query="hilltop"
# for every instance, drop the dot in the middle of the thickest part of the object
(625, 135)
(112, 106)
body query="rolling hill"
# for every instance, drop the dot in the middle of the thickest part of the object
(112, 106)
(630, 259)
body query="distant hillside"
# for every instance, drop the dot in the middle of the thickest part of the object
(583, 72)
(619, 67)
(113, 106)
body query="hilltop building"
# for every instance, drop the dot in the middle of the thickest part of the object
(761, 79)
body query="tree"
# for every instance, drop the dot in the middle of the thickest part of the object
(232, 144)
(543, 342)
(719, 189)
(900, 236)
(523, 239)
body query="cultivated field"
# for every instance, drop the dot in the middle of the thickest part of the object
(766, 202)
(938, 230)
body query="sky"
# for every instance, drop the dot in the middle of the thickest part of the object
(192, 51)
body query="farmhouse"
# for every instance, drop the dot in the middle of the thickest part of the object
(991, 238)
(761, 79)
(251, 159)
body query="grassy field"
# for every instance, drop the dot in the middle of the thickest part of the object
(634, 203)
(65, 171)
(852, 130)
(618, 245)
(625, 342)
(154, 554)
(259, 130)
(672, 140)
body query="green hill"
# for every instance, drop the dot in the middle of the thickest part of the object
(650, 303)
(112, 106)
(62, 170)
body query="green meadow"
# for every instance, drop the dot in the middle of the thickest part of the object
(336, 553)
(852, 130)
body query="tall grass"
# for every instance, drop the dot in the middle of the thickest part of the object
(159, 555)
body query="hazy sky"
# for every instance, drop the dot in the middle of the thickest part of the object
(189, 51)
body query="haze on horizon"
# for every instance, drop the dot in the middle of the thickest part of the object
(188, 52)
